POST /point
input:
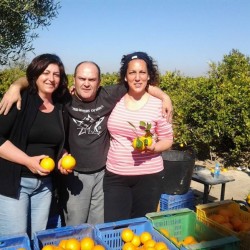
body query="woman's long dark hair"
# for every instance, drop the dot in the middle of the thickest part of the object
(37, 67)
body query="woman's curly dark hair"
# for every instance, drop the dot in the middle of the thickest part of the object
(151, 66)
(37, 67)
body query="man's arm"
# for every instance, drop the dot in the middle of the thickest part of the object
(167, 107)
(12, 95)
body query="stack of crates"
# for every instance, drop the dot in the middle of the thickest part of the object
(206, 210)
(110, 233)
(171, 202)
(14, 242)
(182, 223)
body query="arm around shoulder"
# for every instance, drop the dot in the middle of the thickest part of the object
(13, 95)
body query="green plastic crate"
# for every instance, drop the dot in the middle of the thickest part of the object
(183, 222)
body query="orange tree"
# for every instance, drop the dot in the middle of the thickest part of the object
(212, 113)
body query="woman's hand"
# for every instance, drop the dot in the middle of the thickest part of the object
(34, 165)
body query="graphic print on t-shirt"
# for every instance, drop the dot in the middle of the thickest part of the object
(87, 125)
(91, 123)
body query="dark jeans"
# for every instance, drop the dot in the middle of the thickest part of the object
(128, 197)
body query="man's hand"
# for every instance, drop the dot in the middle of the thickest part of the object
(167, 109)
(10, 97)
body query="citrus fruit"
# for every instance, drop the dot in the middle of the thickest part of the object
(136, 240)
(148, 141)
(87, 243)
(73, 244)
(138, 143)
(164, 232)
(127, 234)
(68, 162)
(128, 246)
(62, 243)
(145, 236)
(160, 246)
(149, 243)
(47, 163)
(189, 240)
(98, 247)
(48, 247)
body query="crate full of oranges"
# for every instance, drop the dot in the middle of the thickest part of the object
(132, 234)
(227, 217)
(183, 228)
(80, 237)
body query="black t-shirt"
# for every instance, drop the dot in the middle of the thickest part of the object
(44, 137)
(88, 136)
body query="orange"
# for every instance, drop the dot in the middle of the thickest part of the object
(47, 163)
(73, 244)
(148, 141)
(68, 162)
(164, 232)
(236, 222)
(244, 227)
(149, 243)
(189, 240)
(136, 240)
(138, 143)
(127, 235)
(87, 243)
(48, 247)
(226, 212)
(160, 246)
(128, 246)
(174, 240)
(145, 236)
(98, 247)
(218, 218)
(62, 243)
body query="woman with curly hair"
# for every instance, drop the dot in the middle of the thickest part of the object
(133, 179)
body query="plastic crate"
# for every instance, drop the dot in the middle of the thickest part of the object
(206, 210)
(110, 233)
(54, 236)
(183, 222)
(171, 202)
(13, 242)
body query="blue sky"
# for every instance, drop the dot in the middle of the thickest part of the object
(183, 35)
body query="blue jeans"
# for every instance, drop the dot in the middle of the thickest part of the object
(83, 198)
(29, 213)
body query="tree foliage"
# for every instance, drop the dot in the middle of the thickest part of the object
(211, 113)
(18, 21)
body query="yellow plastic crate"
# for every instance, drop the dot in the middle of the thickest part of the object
(206, 210)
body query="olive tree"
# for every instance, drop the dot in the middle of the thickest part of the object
(18, 21)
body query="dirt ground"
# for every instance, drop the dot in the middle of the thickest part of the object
(236, 190)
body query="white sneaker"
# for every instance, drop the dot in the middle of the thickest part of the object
(248, 170)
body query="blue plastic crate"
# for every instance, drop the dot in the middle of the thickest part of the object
(171, 202)
(54, 236)
(110, 233)
(13, 242)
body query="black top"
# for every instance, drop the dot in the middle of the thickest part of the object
(86, 122)
(16, 126)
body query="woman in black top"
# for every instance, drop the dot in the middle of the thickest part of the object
(27, 136)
